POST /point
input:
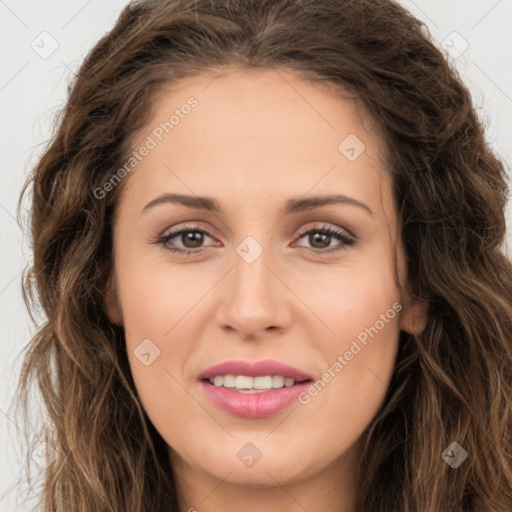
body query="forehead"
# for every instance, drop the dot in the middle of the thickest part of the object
(256, 99)
(256, 133)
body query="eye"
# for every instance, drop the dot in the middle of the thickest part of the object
(192, 237)
(320, 239)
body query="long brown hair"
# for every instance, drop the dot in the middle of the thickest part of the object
(452, 383)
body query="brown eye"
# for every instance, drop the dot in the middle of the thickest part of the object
(320, 239)
(187, 240)
(194, 238)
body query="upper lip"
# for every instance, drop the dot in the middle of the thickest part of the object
(255, 369)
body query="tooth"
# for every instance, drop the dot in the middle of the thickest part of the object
(229, 381)
(252, 384)
(218, 380)
(277, 381)
(264, 382)
(243, 382)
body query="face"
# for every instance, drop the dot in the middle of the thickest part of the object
(274, 276)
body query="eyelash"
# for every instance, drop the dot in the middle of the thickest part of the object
(346, 241)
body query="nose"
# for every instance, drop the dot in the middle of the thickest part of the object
(256, 302)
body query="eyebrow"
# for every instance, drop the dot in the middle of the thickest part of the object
(293, 205)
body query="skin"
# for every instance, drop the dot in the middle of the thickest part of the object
(256, 139)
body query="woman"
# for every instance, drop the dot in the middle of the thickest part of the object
(267, 238)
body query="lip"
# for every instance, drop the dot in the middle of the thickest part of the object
(254, 405)
(255, 369)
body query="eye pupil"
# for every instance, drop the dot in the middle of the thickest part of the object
(317, 237)
(195, 237)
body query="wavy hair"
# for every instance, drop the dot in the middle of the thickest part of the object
(452, 383)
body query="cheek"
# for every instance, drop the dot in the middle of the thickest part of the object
(361, 307)
(155, 294)
(150, 304)
(353, 298)
(157, 348)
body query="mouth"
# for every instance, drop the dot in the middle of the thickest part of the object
(254, 389)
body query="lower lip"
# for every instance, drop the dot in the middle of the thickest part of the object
(254, 405)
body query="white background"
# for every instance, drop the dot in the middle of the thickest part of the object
(33, 88)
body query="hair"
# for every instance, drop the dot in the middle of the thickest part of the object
(452, 382)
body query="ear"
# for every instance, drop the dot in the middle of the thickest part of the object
(414, 315)
(112, 303)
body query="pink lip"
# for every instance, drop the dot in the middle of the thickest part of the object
(255, 369)
(254, 405)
